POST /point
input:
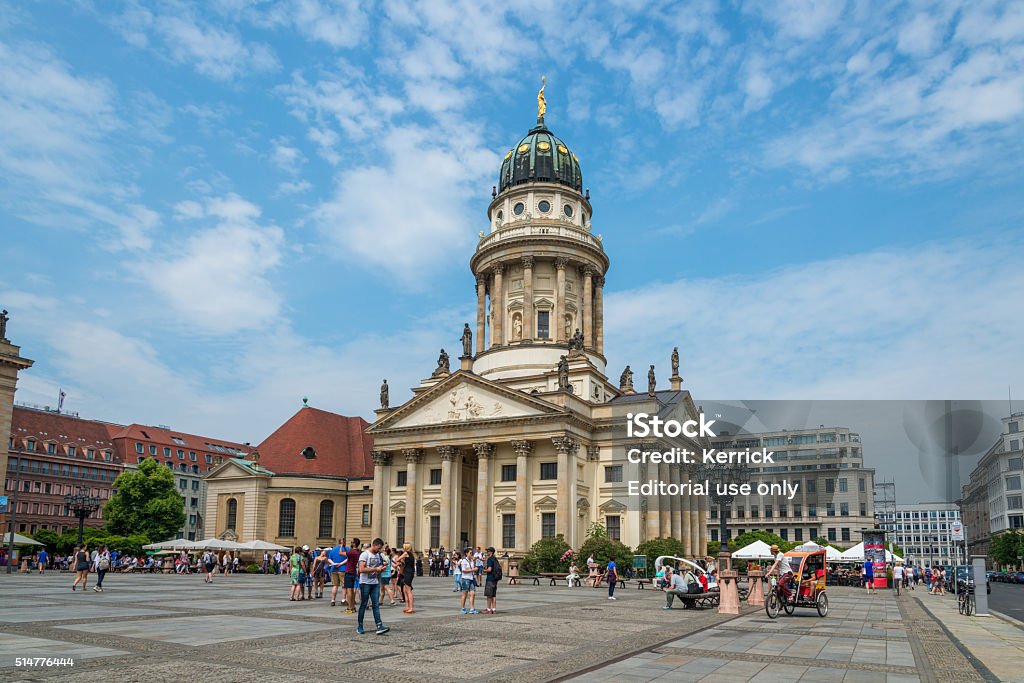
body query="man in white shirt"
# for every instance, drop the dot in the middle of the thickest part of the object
(371, 566)
(784, 570)
(467, 584)
(898, 573)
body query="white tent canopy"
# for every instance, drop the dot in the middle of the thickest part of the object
(18, 540)
(856, 554)
(808, 547)
(216, 544)
(758, 550)
(176, 544)
(263, 545)
(832, 554)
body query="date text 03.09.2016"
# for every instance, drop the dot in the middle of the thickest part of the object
(43, 661)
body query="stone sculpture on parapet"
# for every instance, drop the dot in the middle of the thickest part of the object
(563, 375)
(443, 365)
(626, 381)
(384, 395)
(467, 341)
(651, 381)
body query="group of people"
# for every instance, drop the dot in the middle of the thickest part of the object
(472, 569)
(98, 561)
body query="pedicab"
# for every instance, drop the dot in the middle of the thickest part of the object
(809, 579)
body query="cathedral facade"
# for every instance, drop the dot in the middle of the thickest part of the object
(524, 437)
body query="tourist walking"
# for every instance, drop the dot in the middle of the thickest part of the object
(612, 575)
(492, 575)
(868, 574)
(81, 557)
(41, 559)
(101, 565)
(336, 560)
(209, 564)
(457, 572)
(371, 567)
(386, 575)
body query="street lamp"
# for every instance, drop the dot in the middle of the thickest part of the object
(82, 505)
(719, 479)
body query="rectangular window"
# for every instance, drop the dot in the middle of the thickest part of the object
(831, 534)
(194, 503)
(543, 325)
(192, 456)
(846, 533)
(1013, 502)
(769, 512)
(811, 485)
(139, 448)
(549, 470)
(71, 451)
(844, 509)
(435, 531)
(167, 451)
(613, 523)
(508, 473)
(402, 477)
(209, 459)
(714, 513)
(152, 449)
(1015, 463)
(508, 531)
(714, 535)
(547, 525)
(830, 509)
(754, 512)
(366, 514)
(1013, 427)
(798, 534)
(1013, 483)
(830, 486)
(195, 485)
(842, 485)
(400, 530)
(181, 454)
(182, 484)
(613, 474)
(863, 509)
(784, 534)
(798, 510)
(741, 513)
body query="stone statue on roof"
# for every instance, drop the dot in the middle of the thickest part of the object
(563, 374)
(384, 398)
(542, 103)
(467, 341)
(626, 380)
(443, 365)
(651, 381)
(3, 324)
(675, 362)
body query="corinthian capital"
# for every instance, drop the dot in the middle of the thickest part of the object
(561, 262)
(380, 458)
(497, 268)
(447, 452)
(527, 262)
(522, 447)
(483, 450)
(565, 444)
(413, 455)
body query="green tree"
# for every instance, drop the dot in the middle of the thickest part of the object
(147, 503)
(49, 539)
(748, 537)
(822, 541)
(1006, 548)
(657, 547)
(597, 530)
(545, 556)
(602, 548)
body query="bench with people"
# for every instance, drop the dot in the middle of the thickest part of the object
(689, 589)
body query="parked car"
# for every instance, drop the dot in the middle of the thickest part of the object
(965, 576)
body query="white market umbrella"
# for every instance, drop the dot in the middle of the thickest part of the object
(808, 547)
(217, 544)
(758, 550)
(832, 554)
(856, 554)
(263, 545)
(19, 540)
(176, 544)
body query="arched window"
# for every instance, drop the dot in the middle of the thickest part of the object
(326, 519)
(286, 518)
(232, 513)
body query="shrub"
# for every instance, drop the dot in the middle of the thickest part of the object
(602, 548)
(660, 546)
(252, 568)
(545, 556)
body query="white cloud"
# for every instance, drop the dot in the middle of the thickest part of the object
(410, 213)
(286, 157)
(919, 323)
(801, 19)
(217, 279)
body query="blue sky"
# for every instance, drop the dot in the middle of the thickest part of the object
(210, 210)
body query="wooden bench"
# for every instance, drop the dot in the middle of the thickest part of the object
(640, 583)
(700, 600)
(513, 580)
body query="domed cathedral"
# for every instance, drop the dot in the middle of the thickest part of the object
(524, 438)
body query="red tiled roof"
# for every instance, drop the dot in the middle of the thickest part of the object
(43, 426)
(166, 437)
(341, 445)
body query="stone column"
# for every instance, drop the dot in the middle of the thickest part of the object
(381, 481)
(483, 451)
(599, 314)
(653, 526)
(447, 454)
(565, 517)
(528, 313)
(413, 457)
(481, 313)
(522, 450)
(664, 474)
(588, 307)
(559, 321)
(676, 504)
(497, 307)
(11, 363)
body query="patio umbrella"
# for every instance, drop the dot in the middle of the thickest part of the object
(176, 544)
(263, 545)
(808, 547)
(758, 550)
(19, 540)
(217, 544)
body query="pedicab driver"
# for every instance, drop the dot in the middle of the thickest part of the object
(784, 570)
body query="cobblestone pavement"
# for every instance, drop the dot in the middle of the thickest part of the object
(865, 637)
(244, 628)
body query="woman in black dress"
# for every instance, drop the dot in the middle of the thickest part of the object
(81, 557)
(408, 561)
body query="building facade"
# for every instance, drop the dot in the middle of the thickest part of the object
(11, 363)
(834, 498)
(189, 456)
(923, 531)
(308, 483)
(993, 500)
(523, 439)
(53, 455)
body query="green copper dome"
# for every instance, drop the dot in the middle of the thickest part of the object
(540, 157)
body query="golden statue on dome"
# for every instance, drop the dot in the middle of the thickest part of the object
(542, 104)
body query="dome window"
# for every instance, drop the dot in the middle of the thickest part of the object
(501, 215)
(567, 210)
(519, 208)
(309, 452)
(544, 206)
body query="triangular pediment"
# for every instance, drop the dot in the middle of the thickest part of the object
(546, 502)
(612, 506)
(432, 506)
(236, 467)
(398, 507)
(505, 504)
(463, 397)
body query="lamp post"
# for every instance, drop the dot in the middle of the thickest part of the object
(82, 505)
(723, 484)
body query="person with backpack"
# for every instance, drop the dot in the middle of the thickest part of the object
(209, 564)
(101, 565)
(612, 576)
(492, 575)
(371, 566)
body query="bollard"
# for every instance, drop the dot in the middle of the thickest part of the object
(756, 596)
(980, 587)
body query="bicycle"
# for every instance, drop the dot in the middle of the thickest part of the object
(965, 600)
